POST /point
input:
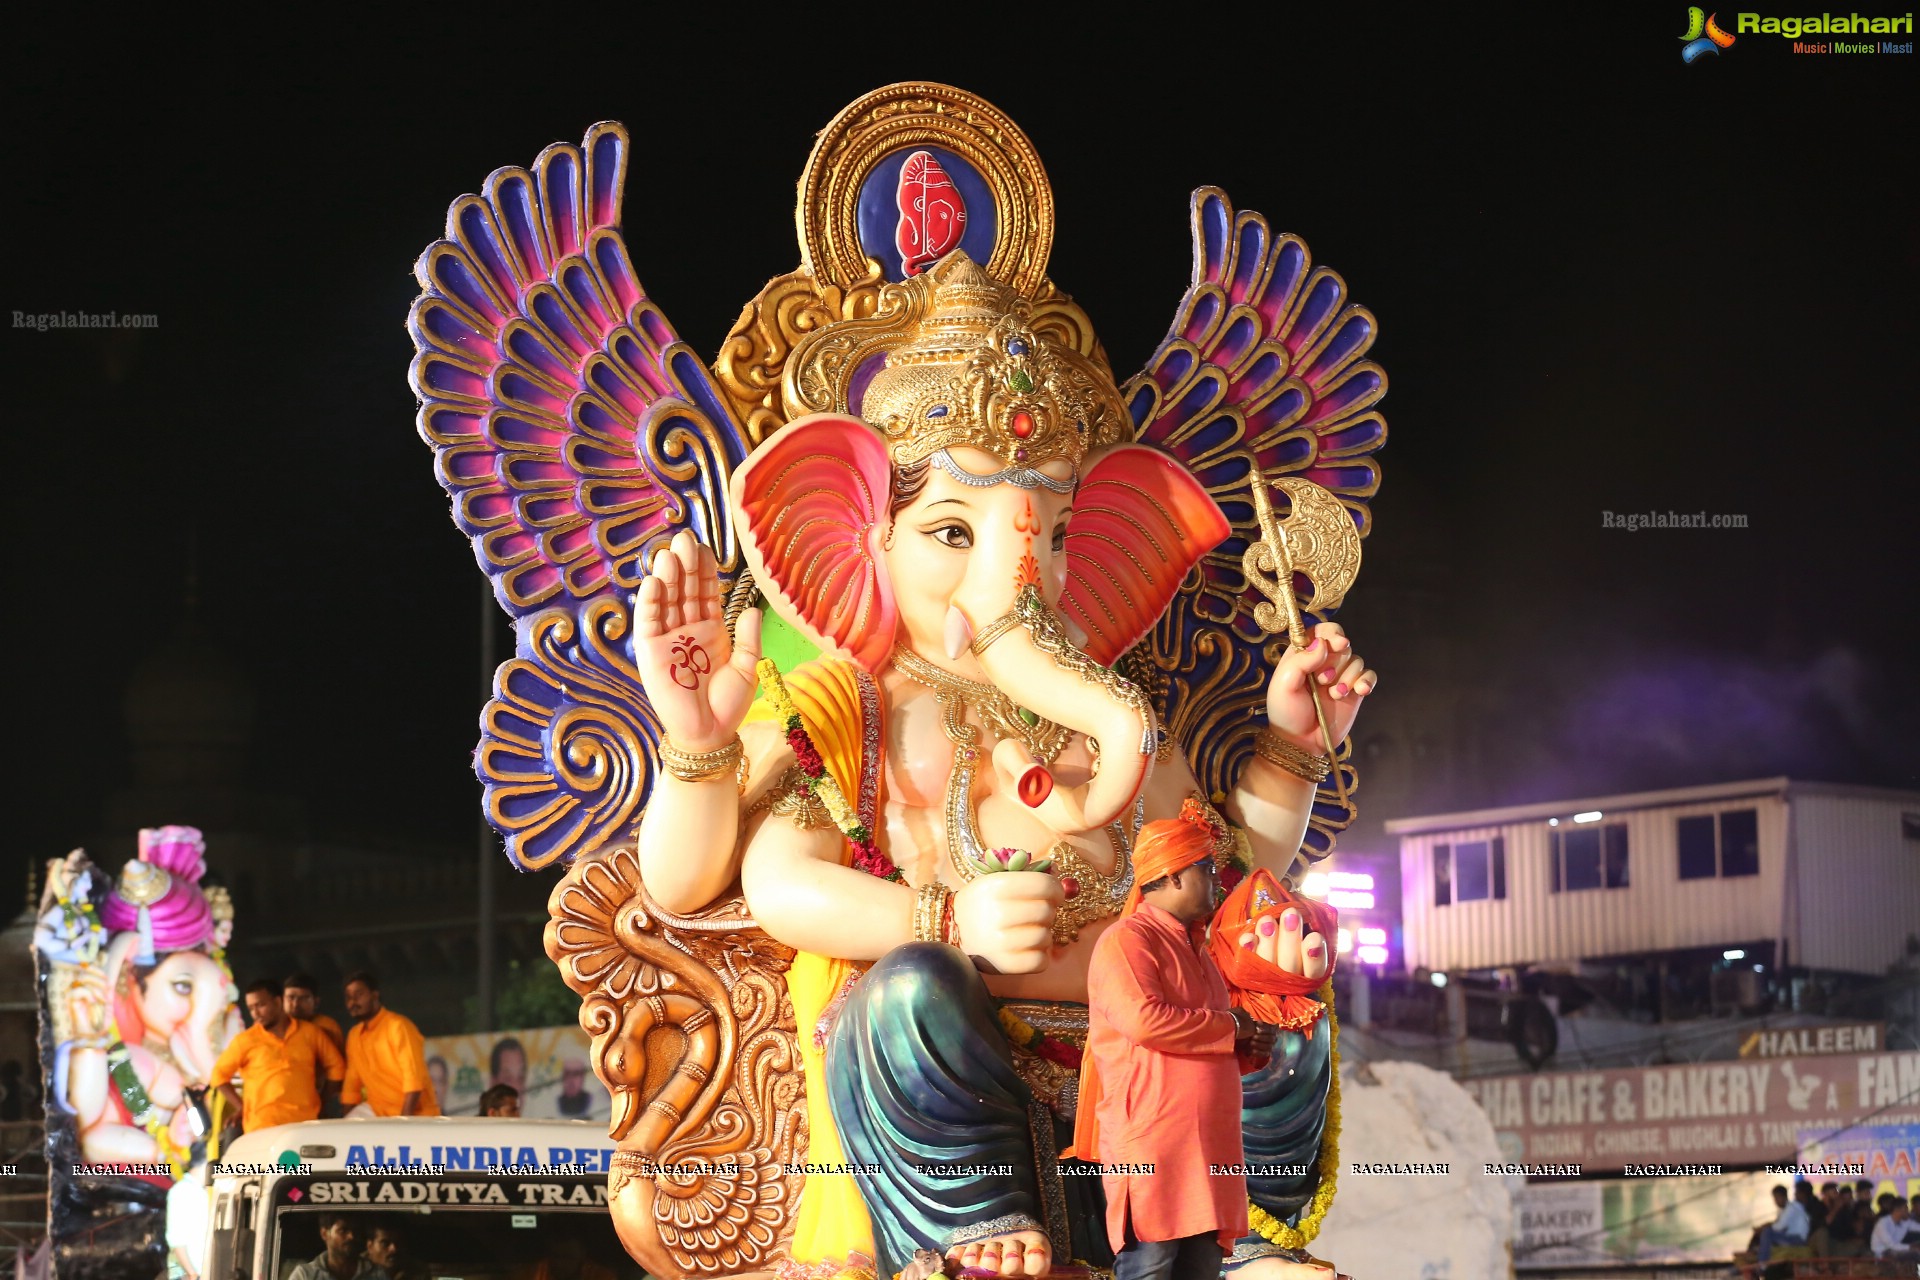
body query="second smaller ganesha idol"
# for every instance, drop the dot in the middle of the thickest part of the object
(141, 1017)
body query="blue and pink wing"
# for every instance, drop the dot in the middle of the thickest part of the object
(570, 424)
(1265, 366)
(575, 433)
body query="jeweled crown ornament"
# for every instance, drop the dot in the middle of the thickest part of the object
(973, 372)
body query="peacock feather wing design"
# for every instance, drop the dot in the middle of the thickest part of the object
(575, 433)
(1263, 370)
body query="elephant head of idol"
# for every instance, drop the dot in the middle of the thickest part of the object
(953, 480)
(168, 990)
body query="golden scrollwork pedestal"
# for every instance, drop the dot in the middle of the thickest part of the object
(693, 1034)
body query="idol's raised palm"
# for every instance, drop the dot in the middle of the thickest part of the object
(699, 680)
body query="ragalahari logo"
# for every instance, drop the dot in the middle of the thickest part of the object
(1703, 35)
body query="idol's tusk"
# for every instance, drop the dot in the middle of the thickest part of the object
(959, 633)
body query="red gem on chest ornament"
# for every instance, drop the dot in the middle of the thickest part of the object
(1021, 424)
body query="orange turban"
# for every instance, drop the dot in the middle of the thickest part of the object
(1168, 845)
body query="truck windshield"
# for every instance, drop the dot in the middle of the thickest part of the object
(448, 1242)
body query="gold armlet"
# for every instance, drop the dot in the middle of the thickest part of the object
(994, 630)
(930, 903)
(1306, 765)
(702, 766)
(795, 801)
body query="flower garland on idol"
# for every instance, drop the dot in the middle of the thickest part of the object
(866, 853)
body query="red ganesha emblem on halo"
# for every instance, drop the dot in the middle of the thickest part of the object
(932, 215)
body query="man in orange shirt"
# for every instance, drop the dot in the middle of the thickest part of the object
(386, 1056)
(300, 994)
(278, 1059)
(1160, 1086)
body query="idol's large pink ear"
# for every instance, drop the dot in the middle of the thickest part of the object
(806, 505)
(1140, 521)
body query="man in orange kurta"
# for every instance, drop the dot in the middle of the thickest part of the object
(386, 1056)
(278, 1059)
(1161, 1082)
(301, 996)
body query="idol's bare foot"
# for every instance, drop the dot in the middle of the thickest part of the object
(1013, 1253)
(1281, 1269)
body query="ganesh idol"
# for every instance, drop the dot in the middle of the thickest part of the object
(951, 688)
(142, 1018)
(850, 668)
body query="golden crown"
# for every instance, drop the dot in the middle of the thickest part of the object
(965, 365)
(143, 884)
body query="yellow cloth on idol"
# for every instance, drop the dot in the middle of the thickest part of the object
(833, 1220)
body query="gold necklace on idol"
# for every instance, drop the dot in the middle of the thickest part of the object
(1091, 895)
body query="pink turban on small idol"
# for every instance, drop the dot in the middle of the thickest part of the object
(159, 894)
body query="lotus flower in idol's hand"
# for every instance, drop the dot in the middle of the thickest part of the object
(1006, 859)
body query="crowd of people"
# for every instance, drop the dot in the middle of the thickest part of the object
(1844, 1220)
(294, 1063)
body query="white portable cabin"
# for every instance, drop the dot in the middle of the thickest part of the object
(1829, 873)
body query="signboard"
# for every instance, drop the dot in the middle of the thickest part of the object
(434, 1189)
(1800, 1042)
(1663, 1119)
(548, 1065)
(1639, 1220)
(1558, 1224)
(1889, 1154)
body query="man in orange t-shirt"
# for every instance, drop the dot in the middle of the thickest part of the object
(301, 996)
(386, 1056)
(279, 1060)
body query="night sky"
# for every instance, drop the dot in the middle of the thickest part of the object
(1605, 280)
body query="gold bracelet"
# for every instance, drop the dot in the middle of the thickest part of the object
(700, 766)
(1273, 748)
(994, 630)
(930, 911)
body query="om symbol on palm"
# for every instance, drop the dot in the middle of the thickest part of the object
(690, 657)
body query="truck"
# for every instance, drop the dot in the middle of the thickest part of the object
(460, 1198)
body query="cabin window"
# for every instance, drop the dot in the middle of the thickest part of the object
(1588, 858)
(1480, 870)
(1719, 844)
(1471, 882)
(1740, 842)
(1699, 855)
(1614, 849)
(1442, 874)
(1910, 826)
